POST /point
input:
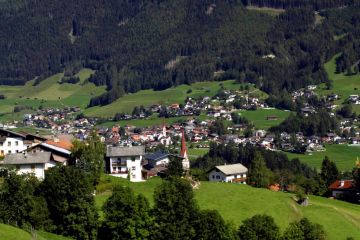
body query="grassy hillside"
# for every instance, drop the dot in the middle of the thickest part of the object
(171, 95)
(343, 85)
(258, 117)
(238, 202)
(48, 93)
(343, 155)
(8, 232)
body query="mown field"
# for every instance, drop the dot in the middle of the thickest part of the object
(258, 117)
(343, 155)
(48, 93)
(166, 97)
(238, 202)
(343, 85)
(12, 233)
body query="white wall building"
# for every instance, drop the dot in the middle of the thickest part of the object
(125, 162)
(236, 173)
(31, 163)
(12, 142)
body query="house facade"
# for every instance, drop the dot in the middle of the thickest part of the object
(235, 173)
(31, 163)
(125, 162)
(342, 188)
(13, 142)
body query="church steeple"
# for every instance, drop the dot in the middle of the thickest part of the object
(183, 153)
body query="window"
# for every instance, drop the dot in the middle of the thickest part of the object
(9, 144)
(133, 159)
(17, 151)
(119, 159)
(1, 144)
(217, 177)
(114, 169)
(9, 151)
(16, 143)
(33, 168)
(213, 176)
(133, 176)
(133, 168)
(2, 152)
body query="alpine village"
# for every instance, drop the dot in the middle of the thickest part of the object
(180, 120)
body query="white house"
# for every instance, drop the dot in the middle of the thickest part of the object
(34, 163)
(235, 173)
(157, 159)
(12, 142)
(125, 162)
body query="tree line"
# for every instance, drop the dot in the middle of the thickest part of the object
(131, 43)
(67, 207)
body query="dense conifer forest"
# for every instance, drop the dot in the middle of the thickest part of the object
(141, 44)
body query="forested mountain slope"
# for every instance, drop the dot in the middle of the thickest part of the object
(145, 44)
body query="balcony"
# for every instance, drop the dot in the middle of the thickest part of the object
(120, 172)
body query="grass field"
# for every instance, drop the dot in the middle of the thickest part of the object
(258, 117)
(171, 95)
(238, 202)
(8, 232)
(343, 85)
(343, 155)
(48, 93)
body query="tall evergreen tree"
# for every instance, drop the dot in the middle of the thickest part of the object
(89, 156)
(69, 194)
(175, 210)
(126, 216)
(259, 175)
(329, 171)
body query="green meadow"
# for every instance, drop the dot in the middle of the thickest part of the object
(238, 202)
(8, 232)
(343, 155)
(48, 93)
(259, 117)
(343, 85)
(166, 97)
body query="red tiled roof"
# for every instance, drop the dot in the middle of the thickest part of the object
(61, 144)
(347, 184)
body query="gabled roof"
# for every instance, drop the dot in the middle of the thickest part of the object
(156, 156)
(60, 144)
(28, 158)
(125, 151)
(232, 169)
(342, 185)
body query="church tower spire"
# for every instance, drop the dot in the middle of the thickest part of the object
(183, 153)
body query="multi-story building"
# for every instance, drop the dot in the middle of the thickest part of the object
(125, 162)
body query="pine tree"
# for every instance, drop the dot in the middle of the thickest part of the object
(259, 175)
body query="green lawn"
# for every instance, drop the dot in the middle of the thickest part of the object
(343, 155)
(258, 117)
(8, 232)
(343, 85)
(171, 95)
(238, 202)
(48, 93)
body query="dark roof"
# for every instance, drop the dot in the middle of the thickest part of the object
(156, 156)
(8, 132)
(125, 151)
(28, 158)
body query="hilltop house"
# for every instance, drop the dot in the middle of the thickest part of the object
(235, 173)
(125, 162)
(34, 163)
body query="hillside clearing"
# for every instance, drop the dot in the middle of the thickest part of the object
(238, 202)
(343, 155)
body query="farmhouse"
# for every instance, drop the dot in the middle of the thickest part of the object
(235, 173)
(342, 188)
(33, 163)
(125, 162)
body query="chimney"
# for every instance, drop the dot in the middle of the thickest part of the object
(342, 183)
(56, 139)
